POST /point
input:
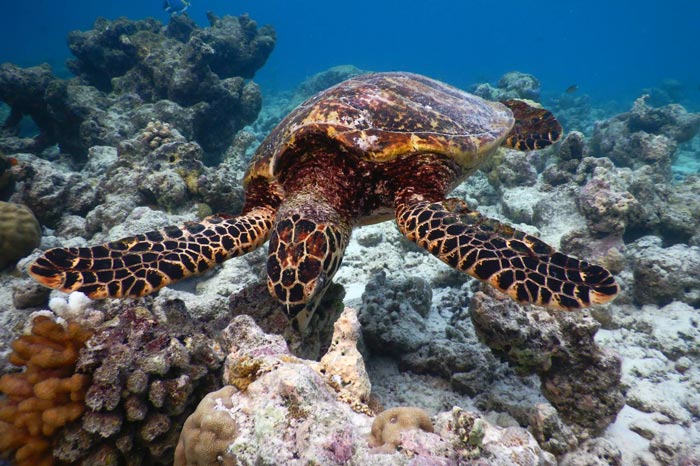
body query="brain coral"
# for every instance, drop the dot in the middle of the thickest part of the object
(46, 396)
(388, 425)
(19, 232)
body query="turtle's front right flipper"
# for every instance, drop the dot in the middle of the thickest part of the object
(139, 265)
(524, 267)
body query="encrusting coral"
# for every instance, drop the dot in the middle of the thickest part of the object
(47, 395)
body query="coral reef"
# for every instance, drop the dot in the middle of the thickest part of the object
(422, 350)
(645, 135)
(20, 232)
(388, 426)
(132, 72)
(279, 410)
(149, 370)
(663, 275)
(578, 377)
(512, 85)
(47, 396)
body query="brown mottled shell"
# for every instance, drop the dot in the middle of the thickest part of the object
(382, 116)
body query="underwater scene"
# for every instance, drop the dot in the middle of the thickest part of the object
(350, 233)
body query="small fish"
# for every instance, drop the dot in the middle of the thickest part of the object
(176, 7)
(571, 89)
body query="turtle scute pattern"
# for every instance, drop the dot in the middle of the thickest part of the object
(524, 267)
(139, 265)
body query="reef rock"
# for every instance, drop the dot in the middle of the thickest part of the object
(578, 377)
(512, 85)
(663, 275)
(279, 409)
(131, 72)
(645, 135)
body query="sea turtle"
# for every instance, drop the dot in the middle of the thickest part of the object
(374, 147)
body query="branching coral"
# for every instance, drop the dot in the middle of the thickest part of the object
(47, 395)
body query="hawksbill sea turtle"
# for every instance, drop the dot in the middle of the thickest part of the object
(375, 147)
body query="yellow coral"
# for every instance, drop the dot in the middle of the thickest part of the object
(46, 396)
(20, 232)
(388, 425)
(207, 433)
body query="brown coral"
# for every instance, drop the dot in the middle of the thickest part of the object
(388, 425)
(19, 232)
(208, 432)
(47, 395)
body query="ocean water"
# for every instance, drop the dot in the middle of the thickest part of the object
(613, 50)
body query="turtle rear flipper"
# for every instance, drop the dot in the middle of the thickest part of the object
(139, 265)
(524, 267)
(534, 128)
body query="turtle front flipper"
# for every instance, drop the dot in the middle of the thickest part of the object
(524, 267)
(139, 265)
(534, 127)
(305, 251)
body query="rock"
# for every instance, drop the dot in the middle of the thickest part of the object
(579, 378)
(606, 208)
(645, 135)
(28, 293)
(393, 313)
(663, 275)
(50, 189)
(131, 72)
(594, 452)
(512, 85)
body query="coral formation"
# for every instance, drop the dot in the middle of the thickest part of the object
(388, 426)
(287, 413)
(20, 232)
(393, 313)
(131, 72)
(663, 275)
(476, 441)
(645, 135)
(148, 371)
(512, 85)
(47, 396)
(208, 432)
(578, 377)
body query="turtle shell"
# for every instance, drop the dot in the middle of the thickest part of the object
(381, 116)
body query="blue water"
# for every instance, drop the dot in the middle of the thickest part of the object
(612, 49)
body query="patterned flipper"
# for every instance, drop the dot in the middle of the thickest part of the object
(524, 267)
(534, 128)
(139, 265)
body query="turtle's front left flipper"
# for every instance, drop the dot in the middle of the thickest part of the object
(524, 267)
(139, 265)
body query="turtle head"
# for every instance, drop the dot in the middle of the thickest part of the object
(306, 249)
